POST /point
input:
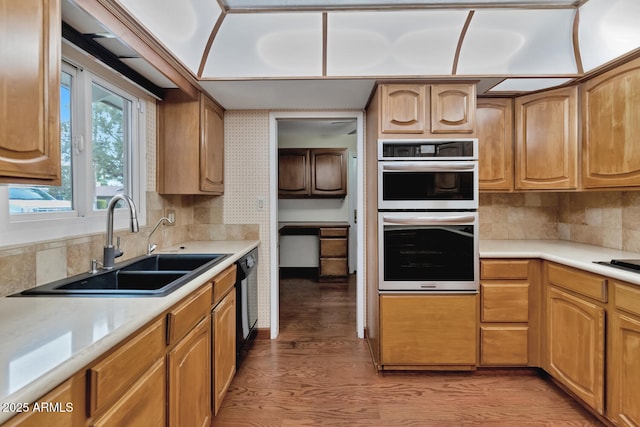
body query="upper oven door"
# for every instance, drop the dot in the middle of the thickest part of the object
(428, 251)
(428, 185)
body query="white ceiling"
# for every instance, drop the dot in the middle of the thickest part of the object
(283, 54)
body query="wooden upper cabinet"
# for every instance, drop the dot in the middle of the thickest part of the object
(494, 119)
(453, 108)
(403, 109)
(211, 147)
(293, 172)
(191, 145)
(328, 172)
(425, 110)
(312, 172)
(547, 140)
(610, 128)
(30, 92)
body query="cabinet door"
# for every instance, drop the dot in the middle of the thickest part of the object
(576, 345)
(547, 140)
(211, 148)
(610, 128)
(328, 172)
(190, 378)
(30, 91)
(453, 108)
(293, 172)
(224, 347)
(403, 109)
(494, 117)
(144, 403)
(625, 379)
(427, 330)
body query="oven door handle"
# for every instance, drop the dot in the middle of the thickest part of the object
(461, 219)
(431, 167)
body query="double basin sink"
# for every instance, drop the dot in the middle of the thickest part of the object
(148, 275)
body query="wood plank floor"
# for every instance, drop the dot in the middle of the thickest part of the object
(318, 373)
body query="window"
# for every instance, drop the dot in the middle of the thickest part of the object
(102, 154)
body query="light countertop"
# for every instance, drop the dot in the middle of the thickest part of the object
(568, 253)
(45, 340)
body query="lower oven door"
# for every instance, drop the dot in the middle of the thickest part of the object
(428, 251)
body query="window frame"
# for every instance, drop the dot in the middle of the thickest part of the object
(82, 219)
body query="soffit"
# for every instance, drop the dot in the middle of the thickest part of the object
(272, 53)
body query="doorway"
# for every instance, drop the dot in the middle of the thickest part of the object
(324, 124)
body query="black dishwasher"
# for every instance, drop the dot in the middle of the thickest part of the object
(247, 303)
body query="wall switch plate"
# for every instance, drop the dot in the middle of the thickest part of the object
(260, 204)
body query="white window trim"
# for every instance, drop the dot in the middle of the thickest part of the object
(26, 229)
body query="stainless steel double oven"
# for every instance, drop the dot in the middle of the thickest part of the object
(428, 215)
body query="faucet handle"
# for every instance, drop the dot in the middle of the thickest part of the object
(117, 252)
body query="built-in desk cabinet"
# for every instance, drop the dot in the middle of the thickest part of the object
(30, 54)
(190, 145)
(334, 254)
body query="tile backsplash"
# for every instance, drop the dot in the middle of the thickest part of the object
(604, 218)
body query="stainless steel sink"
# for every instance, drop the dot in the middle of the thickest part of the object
(154, 275)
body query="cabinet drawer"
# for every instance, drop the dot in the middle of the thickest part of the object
(505, 302)
(504, 269)
(333, 267)
(112, 376)
(187, 314)
(578, 281)
(223, 282)
(627, 298)
(506, 345)
(142, 404)
(333, 247)
(334, 232)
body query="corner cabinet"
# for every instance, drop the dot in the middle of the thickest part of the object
(610, 128)
(494, 118)
(576, 332)
(30, 105)
(623, 362)
(546, 149)
(191, 145)
(422, 110)
(312, 172)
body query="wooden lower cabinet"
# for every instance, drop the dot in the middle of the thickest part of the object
(190, 378)
(223, 347)
(504, 345)
(143, 404)
(623, 361)
(69, 406)
(422, 331)
(334, 254)
(576, 345)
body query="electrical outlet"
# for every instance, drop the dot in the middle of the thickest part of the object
(171, 214)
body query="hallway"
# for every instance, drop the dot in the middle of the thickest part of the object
(317, 373)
